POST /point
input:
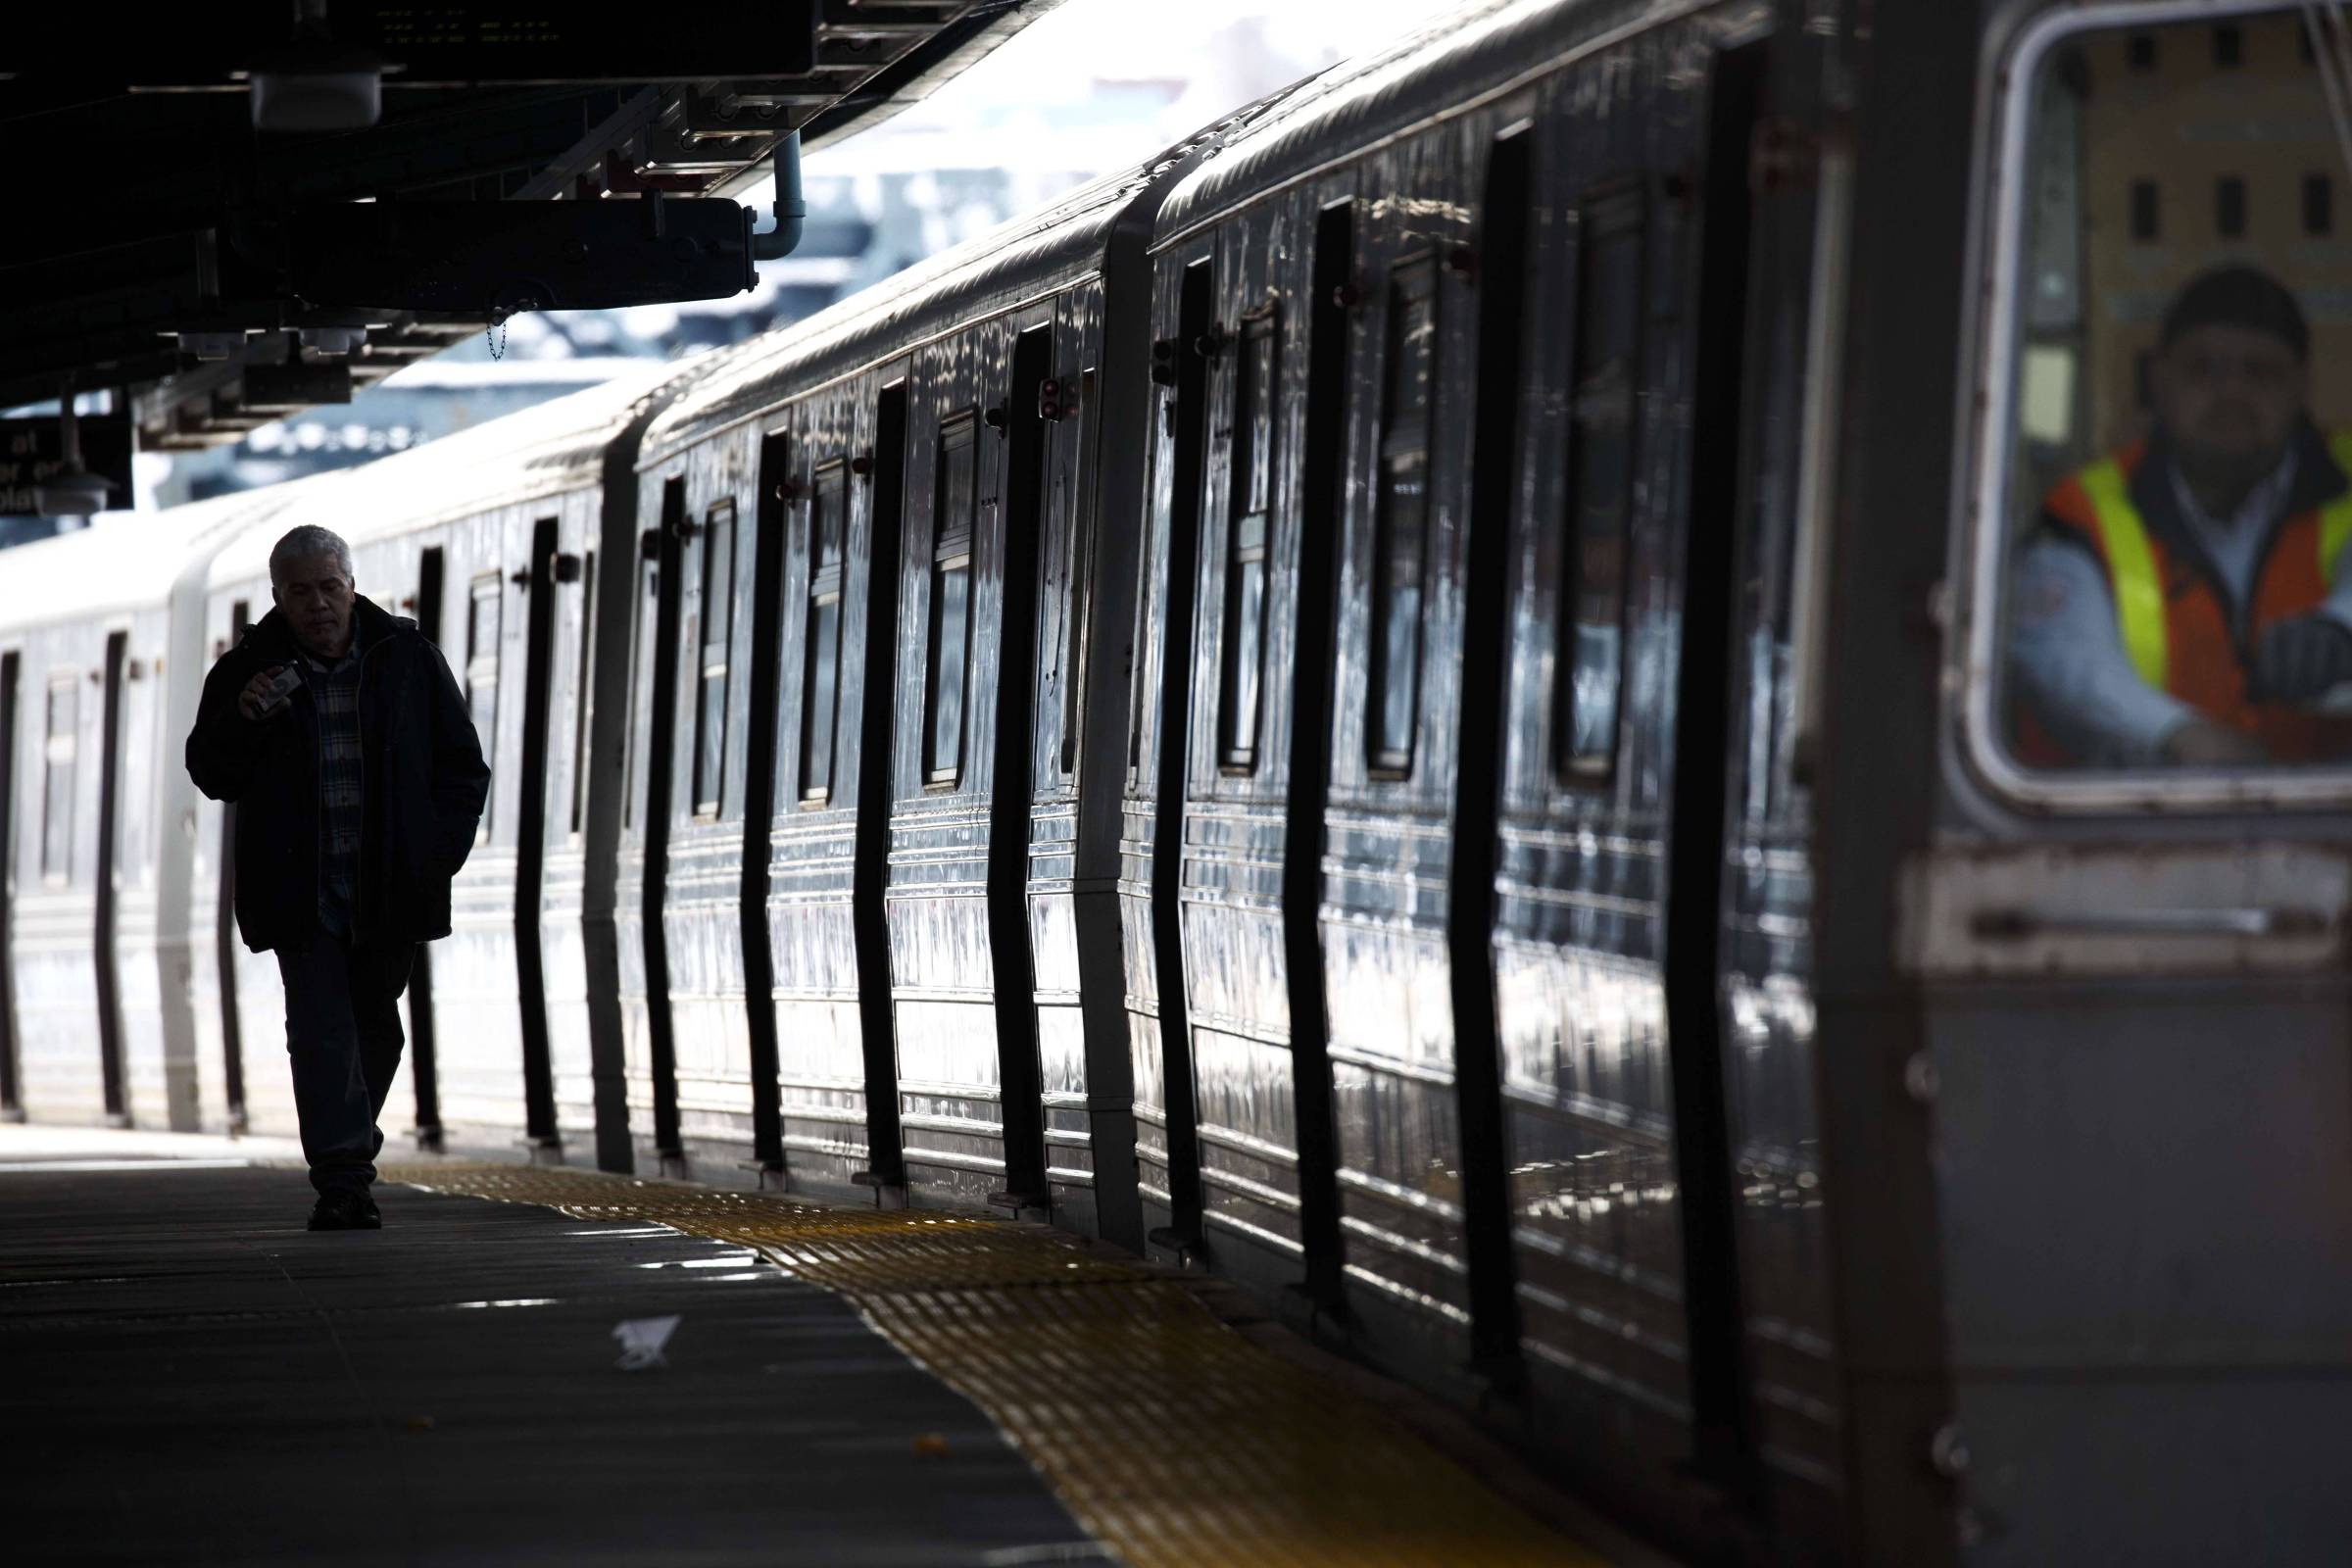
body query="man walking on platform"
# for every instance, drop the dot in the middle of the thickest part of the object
(339, 734)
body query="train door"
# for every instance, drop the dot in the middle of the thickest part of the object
(224, 929)
(424, 1044)
(571, 1055)
(1168, 1159)
(1606, 869)
(876, 684)
(111, 1045)
(1014, 666)
(774, 490)
(967, 1068)
(1717, 468)
(1085, 553)
(1260, 694)
(1502, 258)
(654, 760)
(541, 609)
(717, 1104)
(11, 662)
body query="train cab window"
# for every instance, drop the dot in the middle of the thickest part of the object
(1401, 523)
(820, 678)
(1588, 662)
(955, 502)
(2162, 586)
(57, 777)
(1241, 676)
(487, 601)
(719, 629)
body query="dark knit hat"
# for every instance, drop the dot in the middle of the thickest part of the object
(2238, 296)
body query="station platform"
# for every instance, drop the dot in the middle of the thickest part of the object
(535, 1364)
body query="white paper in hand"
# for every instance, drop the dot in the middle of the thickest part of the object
(641, 1341)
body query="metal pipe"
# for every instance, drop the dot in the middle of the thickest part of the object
(792, 208)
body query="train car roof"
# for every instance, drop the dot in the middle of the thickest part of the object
(1444, 66)
(1036, 254)
(134, 565)
(550, 448)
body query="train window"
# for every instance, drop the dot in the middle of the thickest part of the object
(1400, 523)
(1242, 673)
(1082, 575)
(718, 627)
(820, 680)
(1588, 662)
(641, 652)
(57, 781)
(583, 702)
(488, 598)
(955, 499)
(2162, 587)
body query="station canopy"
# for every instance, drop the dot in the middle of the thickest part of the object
(250, 207)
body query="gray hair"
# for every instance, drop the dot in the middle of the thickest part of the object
(302, 543)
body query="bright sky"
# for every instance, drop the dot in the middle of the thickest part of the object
(1082, 42)
(1090, 87)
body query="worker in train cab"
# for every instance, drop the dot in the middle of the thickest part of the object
(338, 732)
(2187, 600)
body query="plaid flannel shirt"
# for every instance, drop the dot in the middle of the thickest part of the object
(335, 698)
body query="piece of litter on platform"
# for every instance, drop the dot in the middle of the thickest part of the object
(929, 1445)
(641, 1341)
(420, 1423)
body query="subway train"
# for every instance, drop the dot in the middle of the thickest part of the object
(1409, 704)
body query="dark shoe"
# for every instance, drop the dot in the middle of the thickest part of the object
(345, 1210)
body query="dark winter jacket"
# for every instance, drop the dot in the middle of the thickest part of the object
(424, 782)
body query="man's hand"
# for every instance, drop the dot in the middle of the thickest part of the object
(2201, 743)
(265, 696)
(2301, 659)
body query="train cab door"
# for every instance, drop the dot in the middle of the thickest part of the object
(2123, 951)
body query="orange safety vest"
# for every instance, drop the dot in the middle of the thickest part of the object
(2176, 627)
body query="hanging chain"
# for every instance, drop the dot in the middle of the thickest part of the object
(496, 337)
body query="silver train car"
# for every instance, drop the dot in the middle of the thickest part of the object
(1413, 705)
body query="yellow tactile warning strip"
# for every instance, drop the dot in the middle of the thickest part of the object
(1170, 1437)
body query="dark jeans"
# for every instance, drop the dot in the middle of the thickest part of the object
(343, 1033)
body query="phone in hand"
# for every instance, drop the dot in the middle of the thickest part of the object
(282, 682)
